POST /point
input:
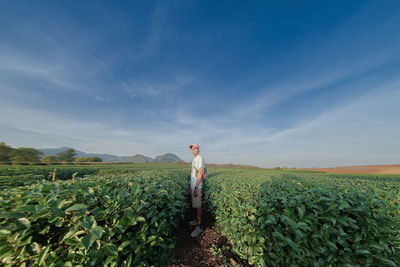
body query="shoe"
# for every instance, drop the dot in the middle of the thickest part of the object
(197, 231)
(193, 223)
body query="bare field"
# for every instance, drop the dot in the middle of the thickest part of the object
(375, 169)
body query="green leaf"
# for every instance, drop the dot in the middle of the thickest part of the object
(129, 212)
(292, 245)
(109, 260)
(389, 262)
(358, 237)
(6, 252)
(332, 245)
(97, 231)
(151, 238)
(87, 225)
(45, 230)
(123, 245)
(331, 219)
(24, 222)
(98, 213)
(35, 248)
(301, 211)
(111, 250)
(62, 203)
(288, 221)
(88, 240)
(363, 252)
(303, 226)
(11, 214)
(278, 235)
(5, 232)
(77, 207)
(27, 208)
(43, 255)
(72, 233)
(39, 208)
(94, 254)
(128, 261)
(140, 219)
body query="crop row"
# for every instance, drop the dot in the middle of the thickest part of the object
(377, 183)
(11, 176)
(12, 170)
(281, 220)
(8, 173)
(116, 220)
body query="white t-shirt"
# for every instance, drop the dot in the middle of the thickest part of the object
(197, 163)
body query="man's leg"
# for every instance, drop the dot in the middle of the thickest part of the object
(193, 210)
(200, 207)
(199, 215)
(197, 203)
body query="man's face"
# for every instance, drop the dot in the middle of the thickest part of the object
(195, 150)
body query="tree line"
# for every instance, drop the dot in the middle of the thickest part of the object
(31, 155)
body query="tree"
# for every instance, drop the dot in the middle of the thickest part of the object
(88, 159)
(5, 152)
(67, 155)
(25, 154)
(48, 159)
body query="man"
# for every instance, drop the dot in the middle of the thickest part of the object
(195, 187)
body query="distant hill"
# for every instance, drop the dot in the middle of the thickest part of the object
(138, 158)
(169, 157)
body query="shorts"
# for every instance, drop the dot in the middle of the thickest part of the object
(196, 201)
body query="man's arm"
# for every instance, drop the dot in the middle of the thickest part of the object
(189, 189)
(199, 175)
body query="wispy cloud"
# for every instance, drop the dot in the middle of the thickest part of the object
(313, 79)
(134, 90)
(157, 31)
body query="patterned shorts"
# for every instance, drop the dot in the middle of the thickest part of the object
(196, 201)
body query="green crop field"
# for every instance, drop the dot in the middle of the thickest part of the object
(126, 215)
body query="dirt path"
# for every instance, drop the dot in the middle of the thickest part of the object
(200, 251)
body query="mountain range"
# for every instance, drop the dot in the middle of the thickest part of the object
(138, 158)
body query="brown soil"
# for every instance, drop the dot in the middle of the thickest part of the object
(197, 251)
(373, 169)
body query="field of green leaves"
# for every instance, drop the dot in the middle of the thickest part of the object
(126, 215)
(295, 219)
(117, 216)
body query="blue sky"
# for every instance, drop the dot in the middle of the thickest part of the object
(279, 83)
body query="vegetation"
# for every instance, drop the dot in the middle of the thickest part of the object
(280, 219)
(88, 159)
(114, 219)
(126, 214)
(24, 154)
(5, 152)
(17, 155)
(31, 156)
(48, 159)
(68, 155)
